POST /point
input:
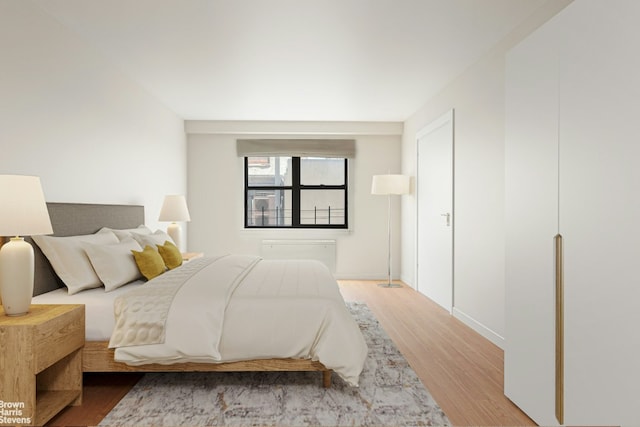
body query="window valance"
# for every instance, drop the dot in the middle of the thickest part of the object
(341, 148)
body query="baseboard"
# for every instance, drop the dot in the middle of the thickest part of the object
(339, 276)
(479, 328)
(407, 281)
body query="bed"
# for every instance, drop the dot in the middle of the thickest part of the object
(245, 292)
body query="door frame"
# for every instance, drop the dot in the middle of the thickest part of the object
(448, 116)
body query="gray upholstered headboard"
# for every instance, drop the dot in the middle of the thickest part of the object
(69, 219)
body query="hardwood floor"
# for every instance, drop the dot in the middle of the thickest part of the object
(462, 370)
(100, 393)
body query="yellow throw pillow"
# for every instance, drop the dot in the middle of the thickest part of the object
(170, 254)
(149, 262)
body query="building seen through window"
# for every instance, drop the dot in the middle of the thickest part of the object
(296, 192)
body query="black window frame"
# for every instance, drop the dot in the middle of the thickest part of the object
(296, 188)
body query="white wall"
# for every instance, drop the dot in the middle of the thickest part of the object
(68, 116)
(477, 96)
(216, 180)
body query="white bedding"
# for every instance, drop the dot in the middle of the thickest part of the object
(99, 319)
(280, 309)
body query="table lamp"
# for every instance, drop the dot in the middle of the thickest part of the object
(23, 212)
(174, 209)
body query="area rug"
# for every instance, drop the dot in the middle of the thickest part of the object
(390, 394)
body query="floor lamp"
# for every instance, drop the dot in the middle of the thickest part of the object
(388, 185)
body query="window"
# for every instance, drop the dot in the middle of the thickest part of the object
(295, 192)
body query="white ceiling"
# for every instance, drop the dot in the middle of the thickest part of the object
(342, 60)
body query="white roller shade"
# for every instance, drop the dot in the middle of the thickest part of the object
(341, 148)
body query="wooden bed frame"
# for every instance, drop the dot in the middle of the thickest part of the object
(97, 357)
(69, 219)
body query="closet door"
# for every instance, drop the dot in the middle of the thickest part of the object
(600, 211)
(573, 126)
(532, 222)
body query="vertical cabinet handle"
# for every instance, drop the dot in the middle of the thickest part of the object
(559, 329)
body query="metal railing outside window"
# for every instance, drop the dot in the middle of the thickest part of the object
(275, 197)
(277, 217)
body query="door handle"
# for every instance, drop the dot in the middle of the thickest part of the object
(448, 216)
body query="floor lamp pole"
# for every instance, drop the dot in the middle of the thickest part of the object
(389, 284)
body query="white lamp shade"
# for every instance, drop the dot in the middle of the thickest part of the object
(23, 210)
(390, 184)
(174, 209)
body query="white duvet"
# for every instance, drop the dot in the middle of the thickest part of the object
(241, 308)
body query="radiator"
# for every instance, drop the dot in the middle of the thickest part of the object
(321, 250)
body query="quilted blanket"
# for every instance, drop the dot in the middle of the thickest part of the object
(237, 307)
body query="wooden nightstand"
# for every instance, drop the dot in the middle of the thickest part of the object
(188, 256)
(40, 362)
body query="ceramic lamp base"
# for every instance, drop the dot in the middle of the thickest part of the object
(175, 232)
(16, 276)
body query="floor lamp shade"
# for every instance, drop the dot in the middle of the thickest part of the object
(23, 212)
(174, 209)
(388, 185)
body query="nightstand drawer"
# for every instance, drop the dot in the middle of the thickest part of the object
(59, 337)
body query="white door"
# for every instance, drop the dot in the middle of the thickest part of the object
(600, 212)
(572, 167)
(435, 211)
(531, 201)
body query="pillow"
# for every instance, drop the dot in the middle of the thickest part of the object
(149, 262)
(154, 239)
(70, 261)
(113, 263)
(122, 234)
(170, 255)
